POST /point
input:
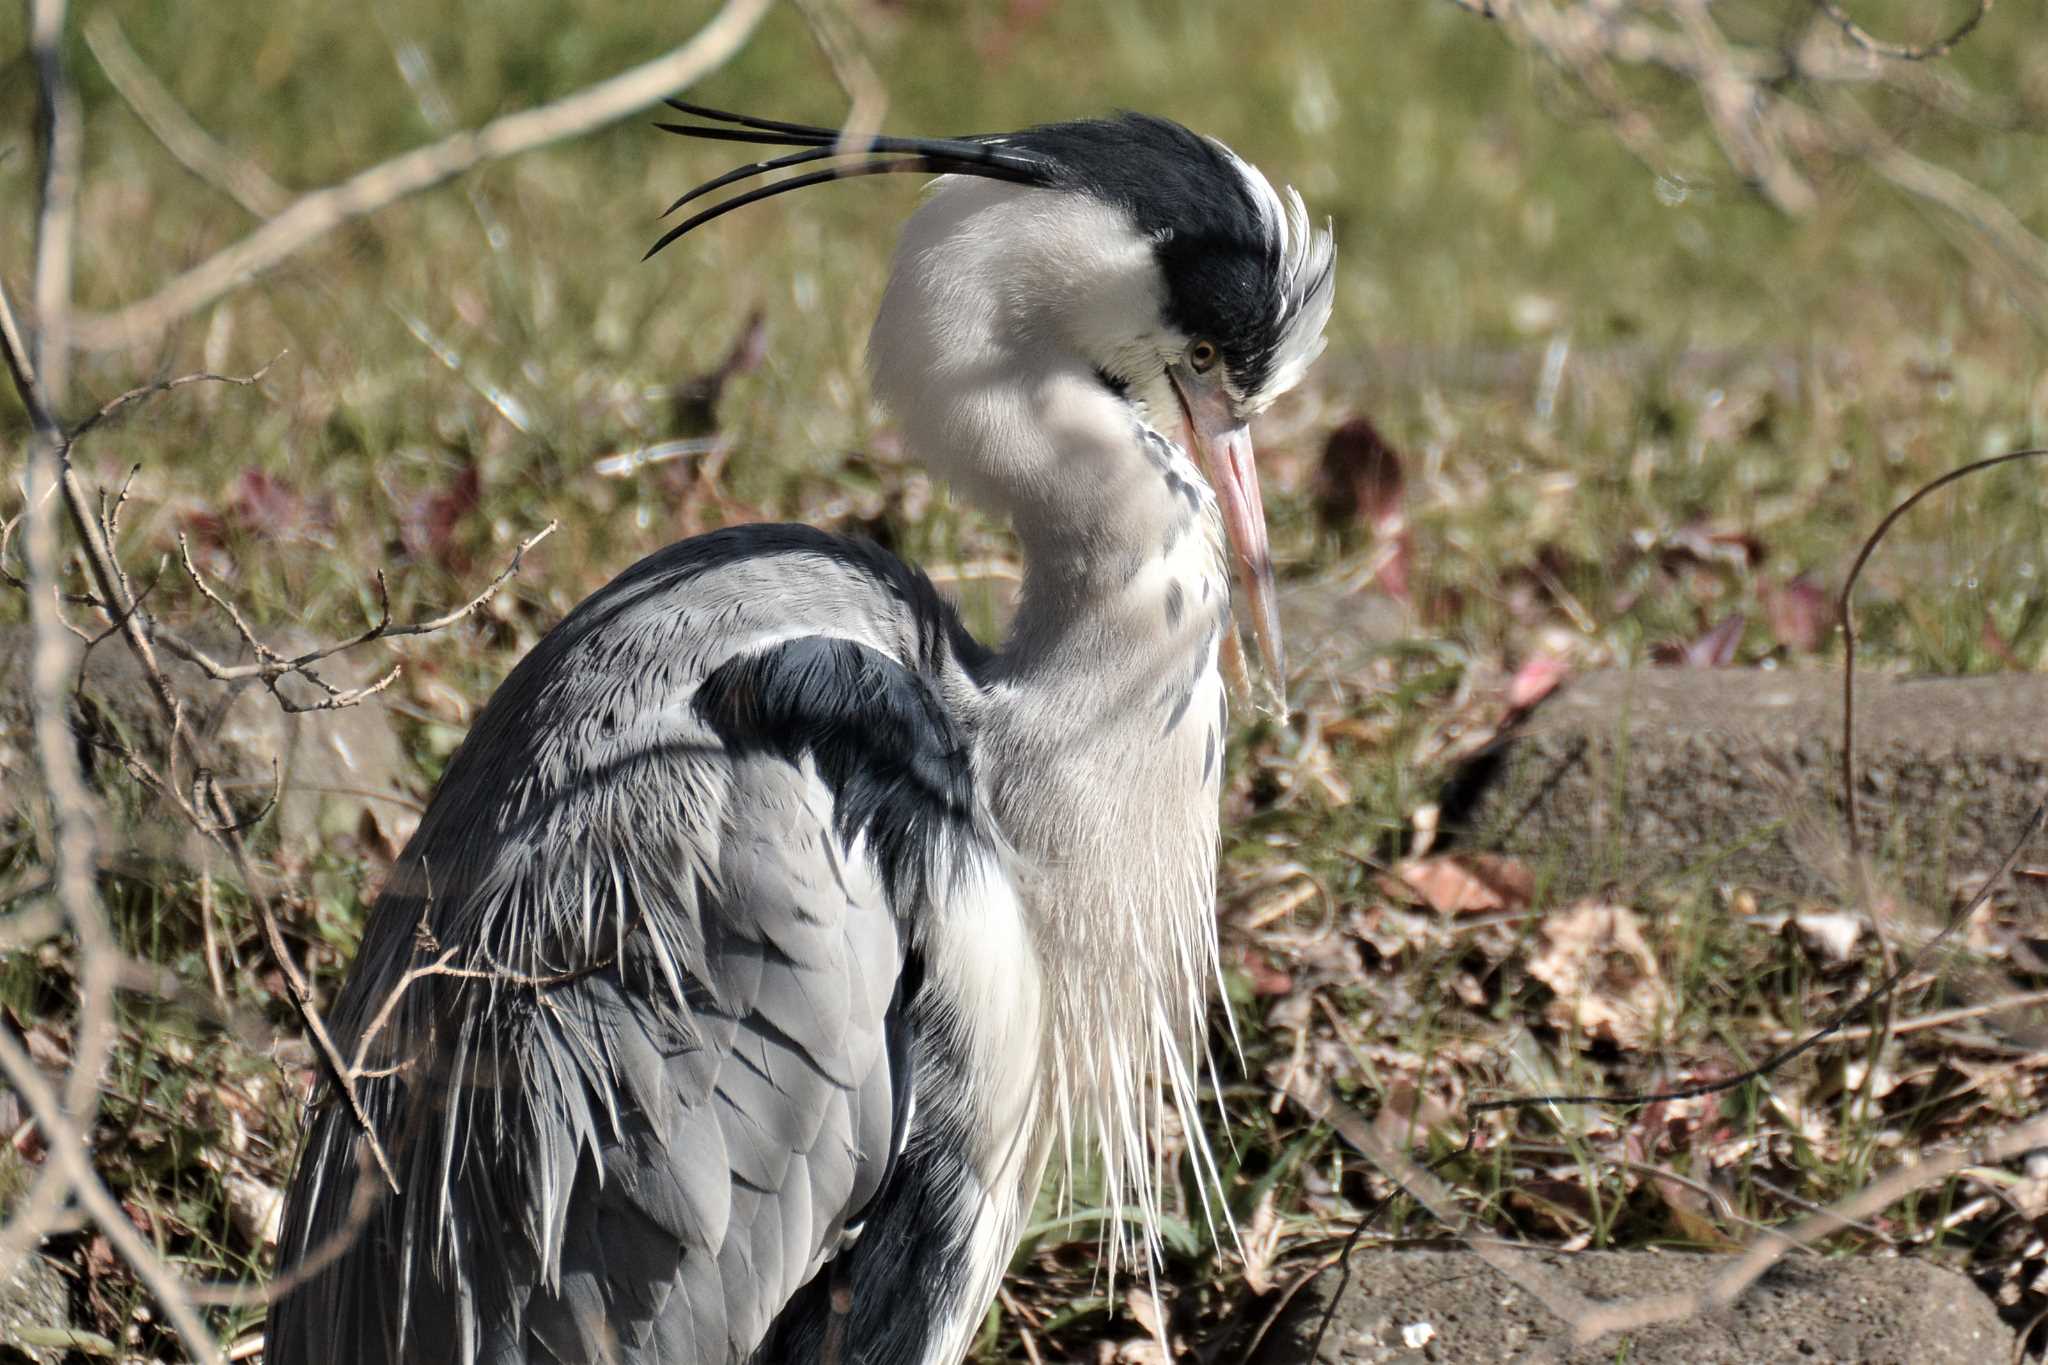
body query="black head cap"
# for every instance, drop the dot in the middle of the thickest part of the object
(1243, 268)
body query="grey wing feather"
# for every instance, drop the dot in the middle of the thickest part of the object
(640, 1075)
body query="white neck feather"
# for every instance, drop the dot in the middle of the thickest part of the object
(1102, 748)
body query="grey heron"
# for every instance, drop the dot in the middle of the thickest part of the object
(768, 934)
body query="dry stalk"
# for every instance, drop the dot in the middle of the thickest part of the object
(190, 145)
(314, 215)
(57, 200)
(64, 1118)
(1422, 1185)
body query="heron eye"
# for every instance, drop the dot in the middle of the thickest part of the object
(1202, 356)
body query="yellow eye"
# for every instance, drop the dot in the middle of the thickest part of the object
(1202, 356)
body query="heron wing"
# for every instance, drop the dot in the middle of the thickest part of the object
(632, 1009)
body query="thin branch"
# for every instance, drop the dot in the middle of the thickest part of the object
(1940, 47)
(190, 145)
(21, 369)
(272, 668)
(1772, 1247)
(314, 215)
(1943, 1018)
(1421, 1185)
(118, 405)
(47, 447)
(1845, 617)
(71, 803)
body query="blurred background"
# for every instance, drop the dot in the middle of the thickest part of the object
(1646, 313)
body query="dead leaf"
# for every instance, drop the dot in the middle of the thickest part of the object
(1692, 1213)
(427, 527)
(1799, 614)
(1408, 1114)
(1260, 1245)
(1360, 480)
(1266, 979)
(1830, 937)
(1536, 679)
(1715, 649)
(1605, 979)
(1469, 883)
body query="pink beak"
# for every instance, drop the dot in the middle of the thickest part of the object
(1222, 445)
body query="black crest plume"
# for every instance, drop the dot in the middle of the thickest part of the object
(984, 154)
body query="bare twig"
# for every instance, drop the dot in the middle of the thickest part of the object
(1943, 1018)
(1845, 617)
(190, 145)
(119, 405)
(72, 814)
(272, 668)
(1422, 1185)
(48, 449)
(71, 806)
(320, 212)
(1780, 109)
(1772, 1247)
(1940, 47)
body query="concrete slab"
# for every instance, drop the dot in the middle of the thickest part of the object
(1735, 774)
(1449, 1306)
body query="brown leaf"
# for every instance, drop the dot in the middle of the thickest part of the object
(1799, 614)
(384, 838)
(1995, 642)
(1360, 480)
(1469, 883)
(428, 526)
(1605, 978)
(1266, 979)
(1692, 1213)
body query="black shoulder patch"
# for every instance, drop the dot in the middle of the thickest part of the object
(893, 758)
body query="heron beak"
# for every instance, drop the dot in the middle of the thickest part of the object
(1222, 445)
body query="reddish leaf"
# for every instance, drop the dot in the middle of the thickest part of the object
(1715, 649)
(428, 527)
(1266, 979)
(1799, 614)
(1360, 480)
(261, 504)
(1536, 679)
(1397, 567)
(1995, 643)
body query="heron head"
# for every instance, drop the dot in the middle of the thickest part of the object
(1183, 284)
(1239, 287)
